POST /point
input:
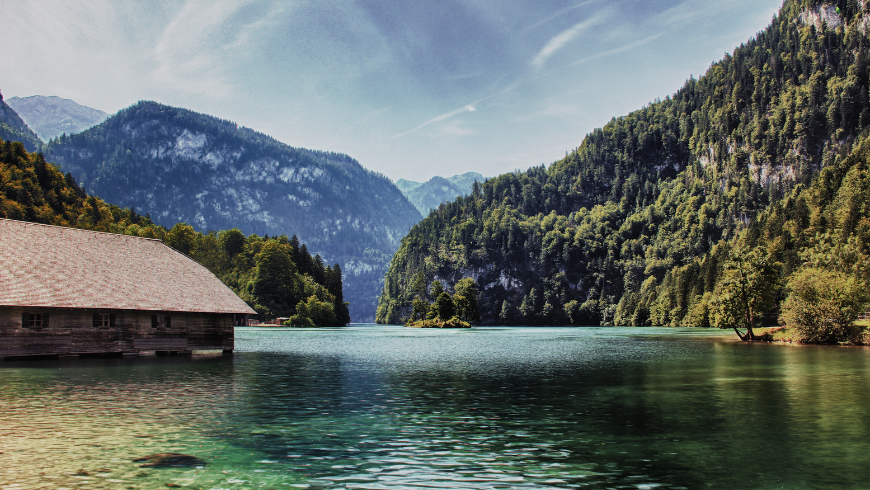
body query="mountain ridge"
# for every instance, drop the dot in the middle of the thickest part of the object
(181, 166)
(426, 196)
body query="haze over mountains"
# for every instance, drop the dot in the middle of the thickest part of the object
(53, 116)
(181, 166)
(428, 195)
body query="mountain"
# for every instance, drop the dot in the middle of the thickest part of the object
(430, 194)
(600, 236)
(276, 276)
(181, 166)
(13, 128)
(53, 116)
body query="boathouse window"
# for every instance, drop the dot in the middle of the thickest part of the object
(34, 320)
(161, 321)
(104, 320)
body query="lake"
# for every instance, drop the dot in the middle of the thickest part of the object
(385, 407)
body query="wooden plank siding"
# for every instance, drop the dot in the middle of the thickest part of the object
(68, 276)
(73, 331)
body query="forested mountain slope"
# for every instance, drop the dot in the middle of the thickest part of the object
(13, 128)
(825, 225)
(591, 238)
(180, 166)
(277, 276)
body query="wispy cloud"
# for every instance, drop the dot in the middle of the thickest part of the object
(446, 115)
(558, 14)
(688, 12)
(456, 128)
(195, 51)
(560, 40)
(615, 51)
(551, 110)
(472, 107)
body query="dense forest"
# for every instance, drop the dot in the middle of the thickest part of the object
(276, 275)
(638, 224)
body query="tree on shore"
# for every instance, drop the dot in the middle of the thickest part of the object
(420, 308)
(275, 283)
(443, 307)
(747, 291)
(465, 300)
(436, 289)
(460, 308)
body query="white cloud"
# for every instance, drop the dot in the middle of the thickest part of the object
(560, 40)
(446, 115)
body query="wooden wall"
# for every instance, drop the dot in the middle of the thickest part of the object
(73, 332)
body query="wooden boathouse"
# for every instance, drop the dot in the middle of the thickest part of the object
(65, 291)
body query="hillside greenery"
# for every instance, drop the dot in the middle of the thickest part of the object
(276, 275)
(637, 225)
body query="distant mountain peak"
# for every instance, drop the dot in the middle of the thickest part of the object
(428, 195)
(52, 116)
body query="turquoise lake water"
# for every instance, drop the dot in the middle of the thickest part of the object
(385, 407)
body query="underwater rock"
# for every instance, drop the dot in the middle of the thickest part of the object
(166, 460)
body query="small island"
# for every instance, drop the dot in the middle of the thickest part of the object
(439, 323)
(456, 311)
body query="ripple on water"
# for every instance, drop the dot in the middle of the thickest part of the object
(386, 408)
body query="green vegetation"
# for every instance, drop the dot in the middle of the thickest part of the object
(277, 276)
(823, 305)
(821, 232)
(457, 310)
(637, 225)
(747, 289)
(439, 323)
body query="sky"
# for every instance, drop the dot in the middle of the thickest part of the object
(410, 88)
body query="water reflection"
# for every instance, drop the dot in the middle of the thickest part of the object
(387, 407)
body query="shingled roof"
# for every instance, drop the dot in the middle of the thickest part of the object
(54, 266)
